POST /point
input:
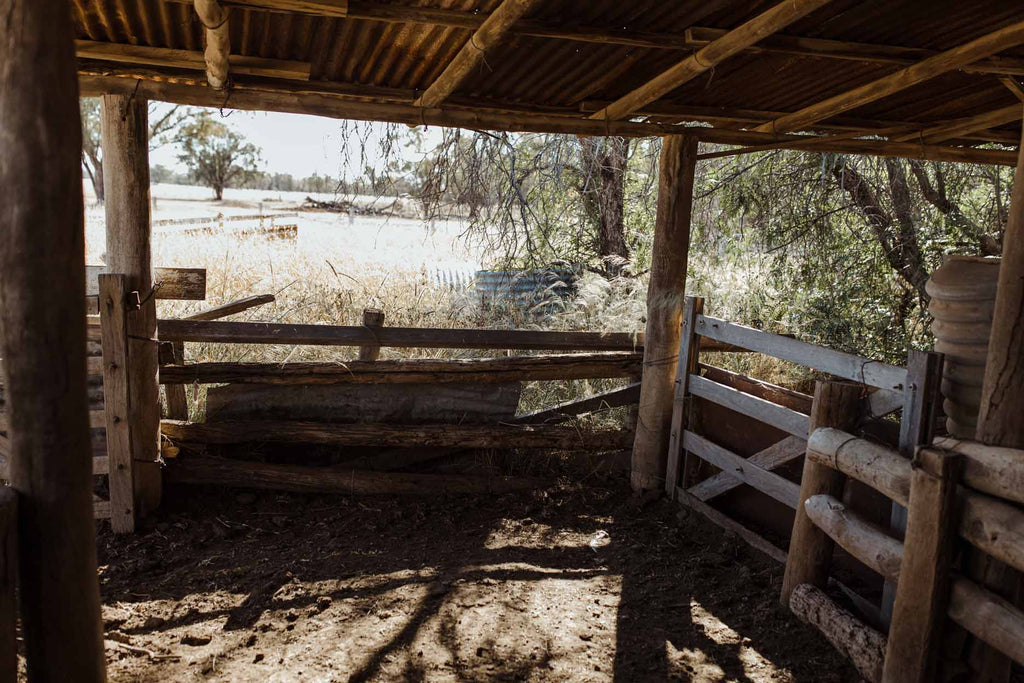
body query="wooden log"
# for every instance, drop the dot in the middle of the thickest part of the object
(773, 457)
(689, 350)
(42, 296)
(665, 292)
(605, 400)
(810, 549)
(117, 401)
(920, 608)
(861, 644)
(971, 124)
(230, 308)
(771, 21)
(223, 472)
(125, 126)
(472, 56)
(253, 94)
(782, 490)
(373, 320)
(189, 59)
(990, 469)
(8, 578)
(475, 436)
(845, 365)
(770, 413)
(410, 371)
(397, 337)
(944, 62)
(218, 42)
(170, 284)
(864, 541)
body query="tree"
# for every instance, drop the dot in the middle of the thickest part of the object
(216, 155)
(166, 124)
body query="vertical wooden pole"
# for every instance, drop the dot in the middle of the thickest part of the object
(177, 398)
(836, 404)
(125, 120)
(917, 426)
(116, 409)
(8, 574)
(919, 612)
(664, 310)
(373, 319)
(42, 315)
(1002, 395)
(689, 348)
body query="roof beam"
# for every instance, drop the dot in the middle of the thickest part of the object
(736, 40)
(218, 41)
(1014, 86)
(188, 59)
(957, 129)
(293, 97)
(941, 63)
(490, 34)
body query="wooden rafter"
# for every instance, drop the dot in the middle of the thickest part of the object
(1014, 86)
(941, 63)
(736, 40)
(695, 37)
(218, 41)
(285, 96)
(957, 129)
(490, 34)
(188, 59)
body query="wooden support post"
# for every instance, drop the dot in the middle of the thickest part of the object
(836, 404)
(921, 399)
(177, 399)
(373, 319)
(126, 183)
(8, 574)
(923, 590)
(689, 350)
(116, 403)
(42, 313)
(664, 310)
(1002, 394)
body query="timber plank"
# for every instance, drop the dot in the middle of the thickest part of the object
(782, 490)
(113, 294)
(773, 457)
(770, 413)
(187, 284)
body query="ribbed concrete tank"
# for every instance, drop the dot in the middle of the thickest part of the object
(963, 296)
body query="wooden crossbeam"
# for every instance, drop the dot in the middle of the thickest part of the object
(252, 94)
(188, 59)
(1014, 86)
(771, 458)
(937, 65)
(471, 57)
(218, 41)
(775, 19)
(957, 129)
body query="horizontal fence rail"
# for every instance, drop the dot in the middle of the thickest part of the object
(477, 370)
(846, 365)
(770, 413)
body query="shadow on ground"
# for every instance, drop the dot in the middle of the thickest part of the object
(566, 584)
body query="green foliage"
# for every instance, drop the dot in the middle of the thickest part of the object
(215, 155)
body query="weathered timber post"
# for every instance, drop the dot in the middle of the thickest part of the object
(689, 349)
(665, 295)
(126, 185)
(836, 404)
(1002, 394)
(42, 315)
(8, 578)
(373, 320)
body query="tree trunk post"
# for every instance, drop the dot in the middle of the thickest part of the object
(373, 319)
(1002, 395)
(836, 404)
(42, 315)
(126, 177)
(665, 295)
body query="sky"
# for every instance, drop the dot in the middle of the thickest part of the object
(299, 144)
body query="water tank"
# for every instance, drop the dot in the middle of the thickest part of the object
(963, 297)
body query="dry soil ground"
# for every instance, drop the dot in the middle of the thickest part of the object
(569, 584)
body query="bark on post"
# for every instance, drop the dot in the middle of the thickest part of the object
(836, 404)
(373, 319)
(126, 177)
(1002, 394)
(42, 315)
(665, 295)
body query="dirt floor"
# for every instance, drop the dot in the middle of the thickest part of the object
(568, 584)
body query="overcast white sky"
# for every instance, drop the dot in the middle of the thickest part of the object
(298, 144)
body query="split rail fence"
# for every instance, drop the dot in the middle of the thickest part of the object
(939, 488)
